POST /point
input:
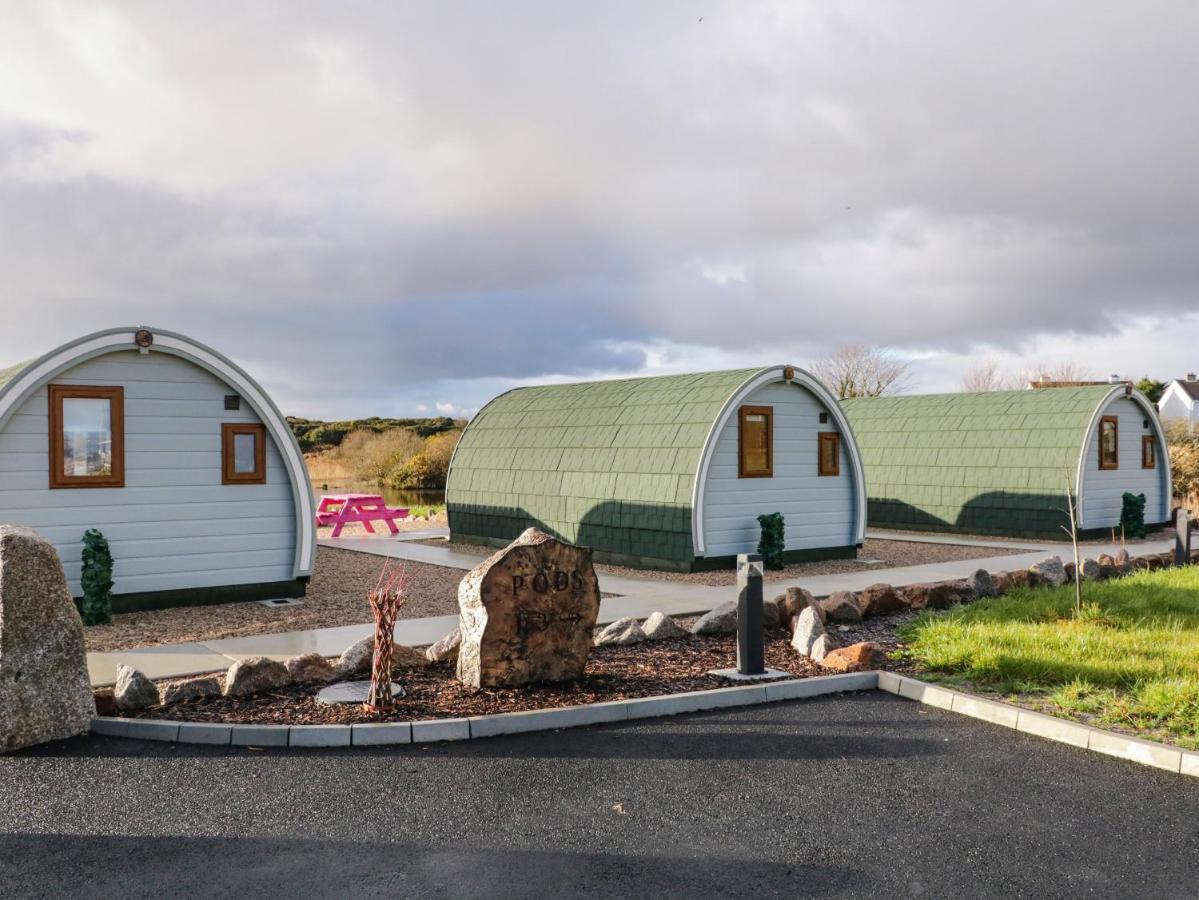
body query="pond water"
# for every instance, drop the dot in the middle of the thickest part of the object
(392, 496)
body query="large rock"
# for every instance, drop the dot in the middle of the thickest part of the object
(792, 603)
(661, 627)
(310, 667)
(822, 647)
(880, 599)
(1123, 561)
(772, 613)
(254, 675)
(948, 593)
(854, 658)
(721, 620)
(1050, 571)
(620, 633)
(356, 658)
(527, 613)
(808, 628)
(842, 606)
(134, 691)
(200, 688)
(915, 596)
(982, 584)
(444, 649)
(1091, 570)
(45, 693)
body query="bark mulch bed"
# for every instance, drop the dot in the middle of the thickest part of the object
(613, 673)
(874, 555)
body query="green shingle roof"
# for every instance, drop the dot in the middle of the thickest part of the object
(995, 463)
(607, 464)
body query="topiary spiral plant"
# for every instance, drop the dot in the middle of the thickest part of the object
(770, 546)
(96, 579)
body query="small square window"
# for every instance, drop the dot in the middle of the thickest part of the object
(830, 453)
(1148, 452)
(87, 436)
(1109, 443)
(243, 453)
(755, 442)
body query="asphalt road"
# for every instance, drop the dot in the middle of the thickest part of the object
(834, 797)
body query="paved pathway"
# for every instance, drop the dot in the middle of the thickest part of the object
(636, 597)
(862, 795)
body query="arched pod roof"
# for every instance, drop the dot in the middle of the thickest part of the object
(981, 461)
(596, 458)
(18, 382)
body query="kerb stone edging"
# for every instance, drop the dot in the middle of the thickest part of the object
(383, 733)
(1085, 737)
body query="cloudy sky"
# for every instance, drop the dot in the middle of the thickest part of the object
(399, 208)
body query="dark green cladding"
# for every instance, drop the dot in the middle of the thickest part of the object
(988, 463)
(607, 464)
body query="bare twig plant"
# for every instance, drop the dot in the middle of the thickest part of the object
(386, 600)
(1072, 513)
(859, 370)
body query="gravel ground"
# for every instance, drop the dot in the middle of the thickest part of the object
(336, 596)
(874, 554)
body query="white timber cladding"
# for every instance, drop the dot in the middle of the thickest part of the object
(818, 511)
(173, 525)
(1101, 491)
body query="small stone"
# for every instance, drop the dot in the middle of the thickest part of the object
(403, 657)
(822, 646)
(983, 584)
(661, 627)
(794, 601)
(191, 689)
(1091, 570)
(721, 620)
(309, 667)
(134, 691)
(808, 627)
(1050, 570)
(879, 599)
(842, 606)
(1123, 561)
(1002, 582)
(445, 649)
(247, 677)
(843, 628)
(854, 658)
(356, 658)
(620, 633)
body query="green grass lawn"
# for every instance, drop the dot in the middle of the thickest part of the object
(1130, 660)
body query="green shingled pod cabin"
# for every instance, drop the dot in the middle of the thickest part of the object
(1000, 463)
(668, 472)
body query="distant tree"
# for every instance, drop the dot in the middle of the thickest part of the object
(1183, 444)
(1151, 388)
(859, 370)
(1066, 371)
(987, 376)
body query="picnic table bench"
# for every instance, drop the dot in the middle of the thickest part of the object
(339, 510)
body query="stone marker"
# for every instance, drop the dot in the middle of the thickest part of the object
(527, 613)
(45, 693)
(134, 691)
(661, 627)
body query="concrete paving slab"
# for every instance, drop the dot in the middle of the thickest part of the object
(166, 661)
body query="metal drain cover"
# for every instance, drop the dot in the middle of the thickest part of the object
(283, 601)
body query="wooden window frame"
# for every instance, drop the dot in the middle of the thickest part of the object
(229, 430)
(821, 439)
(1148, 451)
(768, 412)
(1115, 463)
(115, 396)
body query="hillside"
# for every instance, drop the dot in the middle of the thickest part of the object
(315, 435)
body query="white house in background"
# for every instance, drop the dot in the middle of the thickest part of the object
(170, 449)
(1181, 400)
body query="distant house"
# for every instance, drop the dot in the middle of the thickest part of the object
(1001, 462)
(173, 452)
(669, 472)
(1180, 400)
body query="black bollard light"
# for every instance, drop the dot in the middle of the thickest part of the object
(1182, 536)
(751, 647)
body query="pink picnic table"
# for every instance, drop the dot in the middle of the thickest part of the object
(339, 510)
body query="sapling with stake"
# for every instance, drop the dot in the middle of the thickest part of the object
(1073, 532)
